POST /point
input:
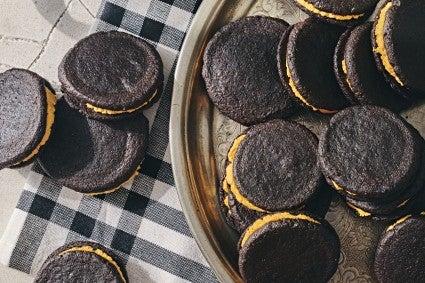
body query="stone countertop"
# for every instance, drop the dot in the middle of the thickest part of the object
(35, 35)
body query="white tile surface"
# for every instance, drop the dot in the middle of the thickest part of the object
(35, 33)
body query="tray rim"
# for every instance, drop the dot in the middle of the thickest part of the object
(190, 52)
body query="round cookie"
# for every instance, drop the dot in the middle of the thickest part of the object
(358, 156)
(340, 68)
(398, 39)
(400, 255)
(285, 247)
(224, 202)
(240, 71)
(81, 262)
(27, 113)
(111, 75)
(93, 156)
(338, 12)
(309, 58)
(275, 167)
(365, 81)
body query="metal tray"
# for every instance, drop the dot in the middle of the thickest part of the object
(200, 138)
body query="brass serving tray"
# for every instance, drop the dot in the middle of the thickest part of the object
(200, 138)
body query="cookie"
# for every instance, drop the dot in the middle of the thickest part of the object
(286, 247)
(240, 71)
(358, 75)
(93, 156)
(27, 113)
(81, 262)
(360, 158)
(398, 39)
(338, 12)
(309, 66)
(400, 255)
(111, 75)
(273, 167)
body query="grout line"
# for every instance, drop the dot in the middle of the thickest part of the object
(48, 36)
(85, 7)
(13, 38)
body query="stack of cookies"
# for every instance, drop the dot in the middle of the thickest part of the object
(374, 159)
(273, 190)
(94, 139)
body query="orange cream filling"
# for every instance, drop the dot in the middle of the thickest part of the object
(401, 220)
(300, 97)
(380, 43)
(100, 253)
(263, 221)
(359, 211)
(50, 117)
(344, 69)
(310, 7)
(230, 180)
(116, 112)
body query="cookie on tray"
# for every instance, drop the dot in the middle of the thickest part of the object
(400, 255)
(273, 167)
(398, 39)
(93, 156)
(27, 113)
(288, 247)
(345, 13)
(357, 73)
(309, 77)
(111, 75)
(240, 71)
(361, 159)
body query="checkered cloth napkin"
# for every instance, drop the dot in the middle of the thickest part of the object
(142, 222)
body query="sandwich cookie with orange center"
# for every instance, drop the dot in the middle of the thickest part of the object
(357, 74)
(346, 13)
(400, 255)
(398, 39)
(306, 68)
(93, 156)
(81, 262)
(111, 75)
(369, 153)
(27, 113)
(273, 167)
(240, 71)
(288, 247)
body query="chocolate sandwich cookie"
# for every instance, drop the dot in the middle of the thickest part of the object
(400, 255)
(309, 69)
(360, 158)
(93, 156)
(286, 247)
(398, 39)
(27, 113)
(358, 75)
(338, 12)
(340, 68)
(273, 167)
(110, 75)
(243, 216)
(240, 71)
(81, 262)
(224, 200)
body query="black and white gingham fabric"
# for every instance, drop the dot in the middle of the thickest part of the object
(142, 222)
